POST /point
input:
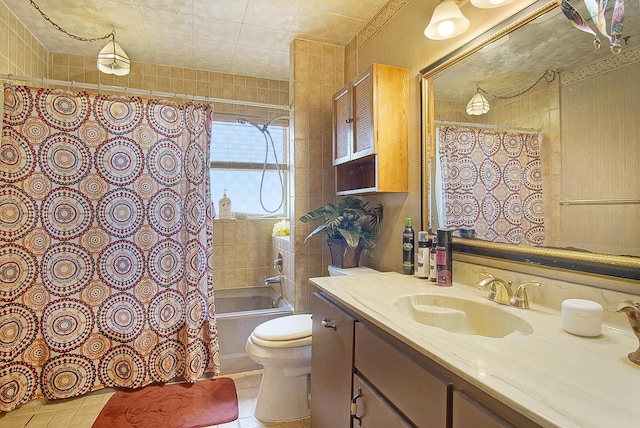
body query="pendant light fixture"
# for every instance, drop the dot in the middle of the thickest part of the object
(478, 104)
(489, 4)
(112, 59)
(446, 22)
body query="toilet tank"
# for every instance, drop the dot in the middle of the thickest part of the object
(337, 271)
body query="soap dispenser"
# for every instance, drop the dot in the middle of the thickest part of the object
(224, 206)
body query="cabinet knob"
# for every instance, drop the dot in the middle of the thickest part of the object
(348, 120)
(354, 407)
(325, 324)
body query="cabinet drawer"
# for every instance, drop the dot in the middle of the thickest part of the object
(413, 390)
(468, 413)
(373, 410)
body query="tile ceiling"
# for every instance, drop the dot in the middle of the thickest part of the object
(249, 37)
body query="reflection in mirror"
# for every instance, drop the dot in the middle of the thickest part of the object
(583, 191)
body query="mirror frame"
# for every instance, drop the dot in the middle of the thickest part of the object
(610, 265)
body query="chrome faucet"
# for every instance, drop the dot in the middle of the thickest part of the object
(277, 265)
(277, 279)
(500, 291)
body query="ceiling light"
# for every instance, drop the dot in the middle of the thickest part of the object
(113, 60)
(488, 4)
(477, 105)
(446, 22)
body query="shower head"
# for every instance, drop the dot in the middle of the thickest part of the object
(243, 121)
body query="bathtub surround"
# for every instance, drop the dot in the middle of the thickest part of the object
(105, 266)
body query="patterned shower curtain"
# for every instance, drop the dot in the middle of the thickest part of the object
(492, 182)
(105, 244)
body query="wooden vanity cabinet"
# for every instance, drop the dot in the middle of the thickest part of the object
(419, 395)
(387, 383)
(332, 359)
(372, 409)
(469, 413)
(370, 132)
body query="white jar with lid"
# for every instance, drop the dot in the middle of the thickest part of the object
(582, 317)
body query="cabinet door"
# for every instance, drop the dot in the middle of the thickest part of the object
(412, 389)
(371, 409)
(363, 126)
(342, 125)
(468, 413)
(331, 365)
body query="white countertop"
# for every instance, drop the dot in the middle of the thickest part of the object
(554, 378)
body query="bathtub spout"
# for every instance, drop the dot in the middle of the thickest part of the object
(273, 280)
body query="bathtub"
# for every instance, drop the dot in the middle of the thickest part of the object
(238, 312)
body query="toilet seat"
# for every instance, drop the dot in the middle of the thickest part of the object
(284, 332)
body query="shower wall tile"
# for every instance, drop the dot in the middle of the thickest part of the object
(21, 54)
(317, 72)
(242, 252)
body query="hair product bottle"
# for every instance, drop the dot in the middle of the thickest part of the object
(407, 248)
(424, 246)
(444, 258)
(433, 273)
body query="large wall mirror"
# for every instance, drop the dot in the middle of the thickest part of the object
(542, 77)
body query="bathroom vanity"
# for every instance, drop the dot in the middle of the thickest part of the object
(379, 360)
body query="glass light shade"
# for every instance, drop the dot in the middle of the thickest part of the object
(446, 22)
(477, 105)
(113, 60)
(488, 4)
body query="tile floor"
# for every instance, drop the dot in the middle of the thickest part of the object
(80, 412)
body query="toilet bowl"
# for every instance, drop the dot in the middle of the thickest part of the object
(283, 347)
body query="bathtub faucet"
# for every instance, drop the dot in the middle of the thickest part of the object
(273, 280)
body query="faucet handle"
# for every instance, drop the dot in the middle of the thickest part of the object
(520, 297)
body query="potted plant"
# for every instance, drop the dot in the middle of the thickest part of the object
(350, 225)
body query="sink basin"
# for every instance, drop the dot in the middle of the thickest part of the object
(462, 316)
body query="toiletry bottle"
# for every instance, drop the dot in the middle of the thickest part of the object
(407, 248)
(225, 206)
(444, 258)
(422, 266)
(433, 273)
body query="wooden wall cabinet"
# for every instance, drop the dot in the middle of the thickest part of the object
(362, 377)
(370, 132)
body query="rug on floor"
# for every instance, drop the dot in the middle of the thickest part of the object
(180, 405)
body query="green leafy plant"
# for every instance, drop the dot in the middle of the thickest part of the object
(350, 219)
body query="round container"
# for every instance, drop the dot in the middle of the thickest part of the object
(582, 317)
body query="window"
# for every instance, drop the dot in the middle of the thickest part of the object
(237, 164)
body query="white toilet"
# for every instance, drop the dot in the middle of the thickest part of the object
(283, 347)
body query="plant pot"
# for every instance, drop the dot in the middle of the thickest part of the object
(342, 255)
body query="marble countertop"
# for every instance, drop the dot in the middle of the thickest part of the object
(553, 377)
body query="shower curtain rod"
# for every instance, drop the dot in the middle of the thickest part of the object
(482, 125)
(134, 91)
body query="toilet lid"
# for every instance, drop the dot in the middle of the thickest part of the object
(291, 327)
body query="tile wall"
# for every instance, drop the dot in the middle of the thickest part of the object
(20, 52)
(317, 72)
